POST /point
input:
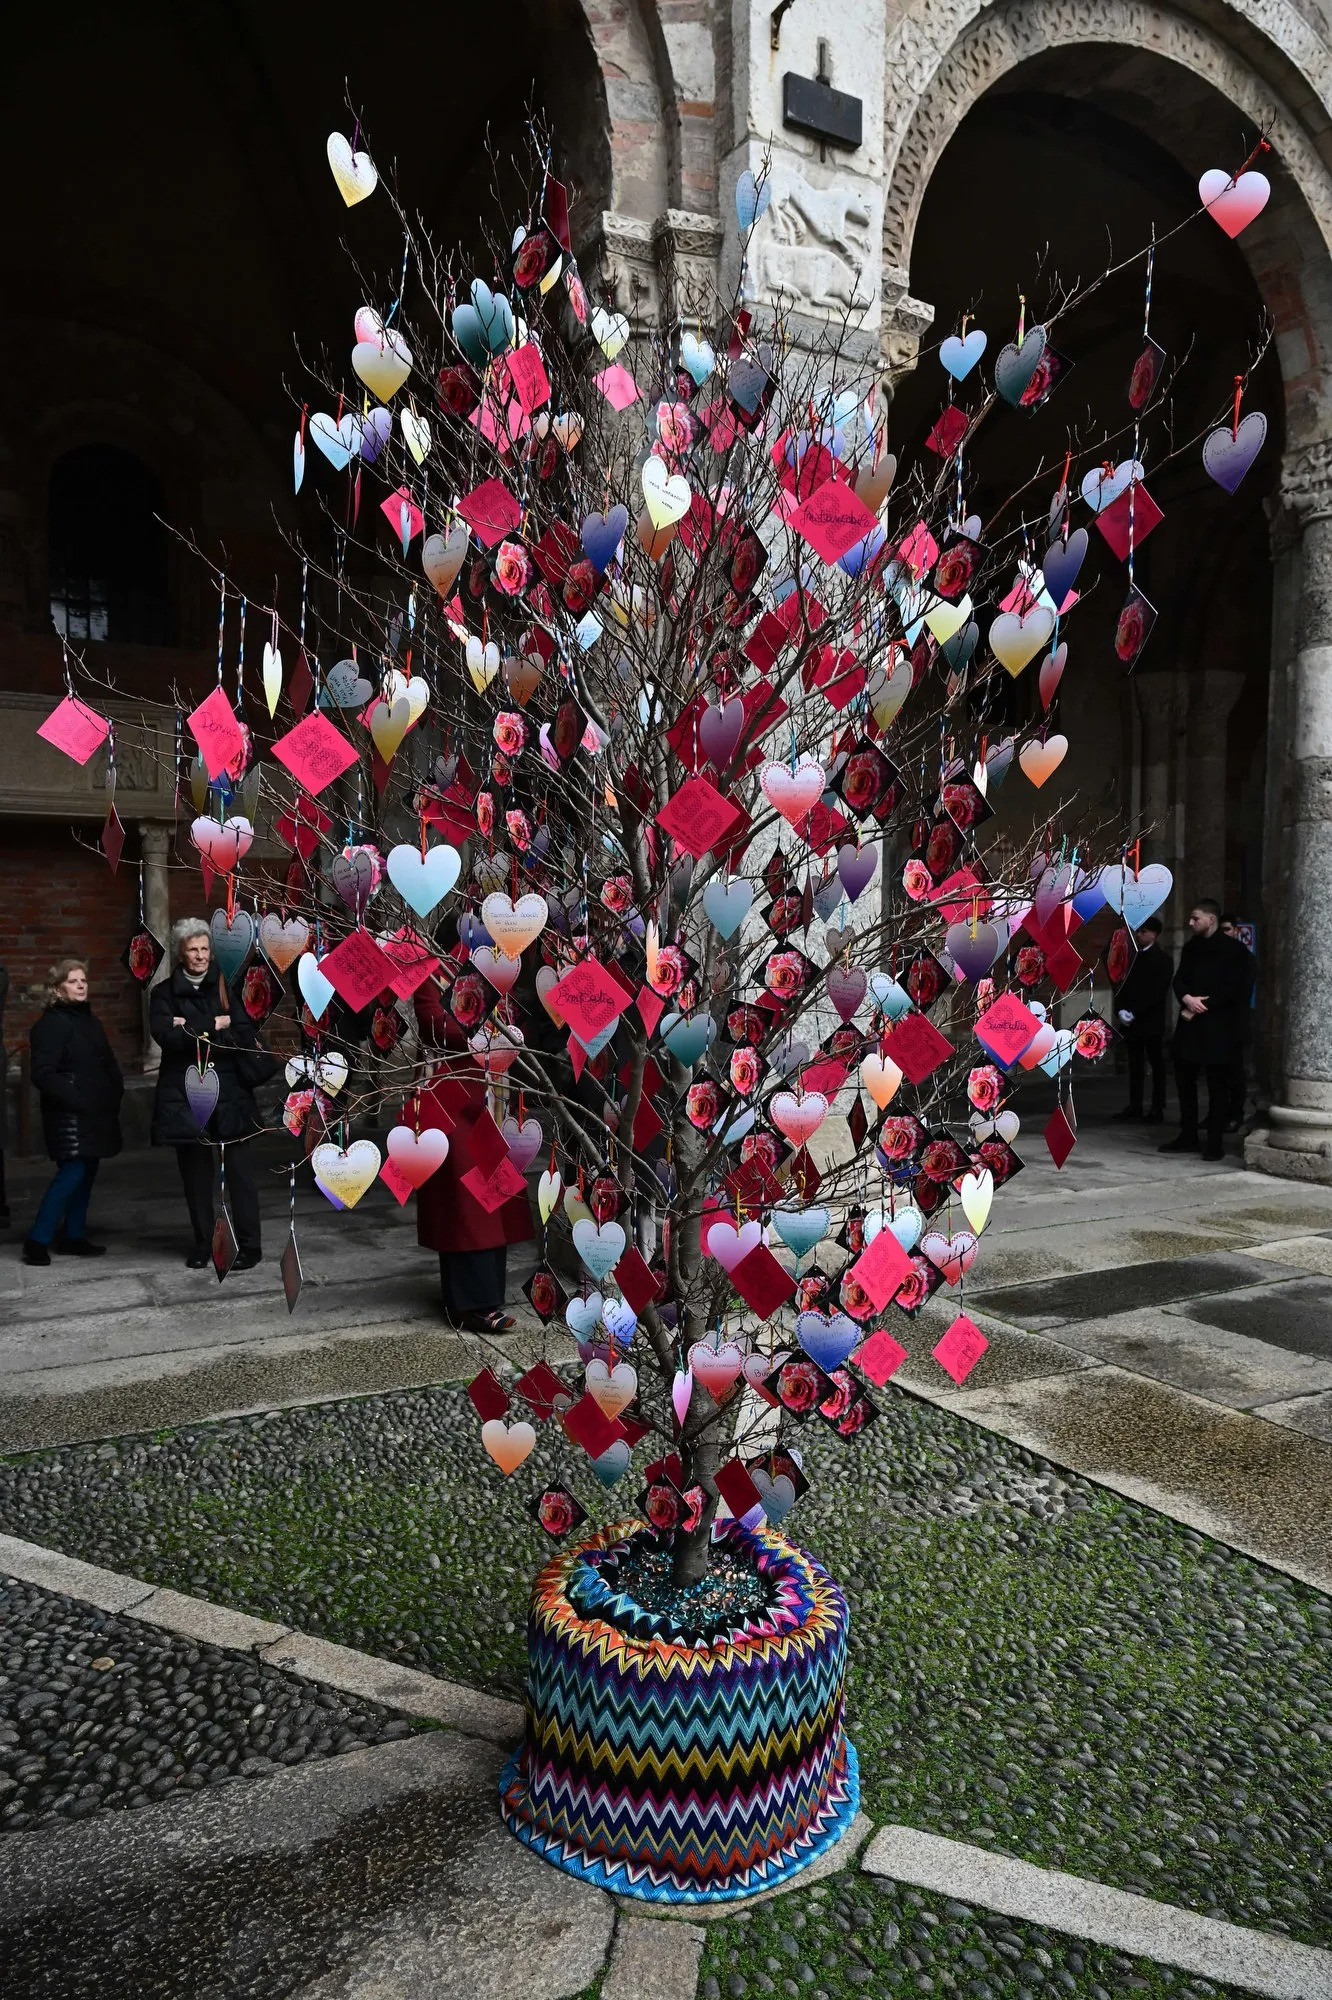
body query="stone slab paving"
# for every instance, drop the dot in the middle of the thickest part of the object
(653, 1961)
(1276, 1967)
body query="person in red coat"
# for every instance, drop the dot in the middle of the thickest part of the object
(472, 1240)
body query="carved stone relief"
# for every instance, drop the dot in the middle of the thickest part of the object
(818, 247)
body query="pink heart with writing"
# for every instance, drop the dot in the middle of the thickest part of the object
(793, 793)
(951, 1255)
(757, 1367)
(716, 1367)
(798, 1118)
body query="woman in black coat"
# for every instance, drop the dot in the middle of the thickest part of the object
(79, 1081)
(190, 1018)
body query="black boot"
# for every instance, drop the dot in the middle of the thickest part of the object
(35, 1253)
(1185, 1142)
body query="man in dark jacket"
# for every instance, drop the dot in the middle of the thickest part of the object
(1212, 986)
(1140, 1014)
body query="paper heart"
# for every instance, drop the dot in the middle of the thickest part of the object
(874, 480)
(1060, 1053)
(1014, 366)
(1004, 1125)
(582, 1316)
(1062, 561)
(232, 940)
(888, 690)
(494, 317)
(423, 881)
(1051, 889)
(483, 661)
(892, 1000)
(354, 876)
(696, 358)
(747, 382)
(1227, 454)
(973, 948)
(729, 1245)
(417, 1155)
(376, 430)
(1015, 641)
(959, 649)
(946, 619)
(620, 1320)
(522, 677)
(882, 1079)
(1233, 203)
(610, 330)
(720, 728)
(203, 1087)
(390, 721)
(497, 968)
(601, 535)
(800, 1229)
(1038, 1047)
(415, 435)
(338, 441)
(727, 904)
(1040, 761)
(523, 1141)
(668, 496)
(547, 978)
(316, 990)
(496, 1049)
(599, 1245)
(354, 172)
(612, 1464)
(282, 940)
(548, 1193)
(906, 1223)
(346, 1174)
(611, 1389)
(959, 356)
(751, 200)
(224, 842)
(827, 1338)
(1136, 896)
(443, 555)
(345, 686)
(383, 364)
(1052, 672)
(331, 1072)
(512, 925)
(950, 1255)
(793, 793)
(272, 677)
(688, 1037)
(798, 1118)
(716, 1367)
(682, 1390)
(778, 1495)
(755, 1368)
(568, 429)
(1101, 488)
(510, 1445)
(977, 1194)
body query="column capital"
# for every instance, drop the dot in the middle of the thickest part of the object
(904, 323)
(154, 839)
(1306, 483)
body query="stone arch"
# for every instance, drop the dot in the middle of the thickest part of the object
(658, 63)
(941, 64)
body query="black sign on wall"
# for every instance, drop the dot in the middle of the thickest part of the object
(831, 115)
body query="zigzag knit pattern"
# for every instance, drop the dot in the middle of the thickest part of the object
(679, 1771)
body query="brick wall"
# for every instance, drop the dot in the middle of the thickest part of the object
(58, 900)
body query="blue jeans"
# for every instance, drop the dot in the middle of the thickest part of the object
(66, 1200)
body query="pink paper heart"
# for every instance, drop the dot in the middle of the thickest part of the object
(1052, 672)
(792, 793)
(952, 1255)
(1231, 203)
(716, 1367)
(798, 1118)
(729, 1245)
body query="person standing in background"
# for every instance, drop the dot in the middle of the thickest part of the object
(79, 1081)
(1212, 986)
(1140, 1016)
(1239, 1074)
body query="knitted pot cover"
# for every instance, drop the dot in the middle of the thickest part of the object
(676, 1768)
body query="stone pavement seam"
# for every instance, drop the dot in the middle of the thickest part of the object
(467, 1710)
(650, 1960)
(1279, 1968)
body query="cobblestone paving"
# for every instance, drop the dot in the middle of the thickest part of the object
(1036, 1663)
(98, 1711)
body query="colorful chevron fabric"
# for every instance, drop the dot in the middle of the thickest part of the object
(675, 1771)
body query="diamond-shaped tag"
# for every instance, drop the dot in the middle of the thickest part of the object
(142, 955)
(300, 686)
(857, 1122)
(225, 1246)
(113, 838)
(292, 1275)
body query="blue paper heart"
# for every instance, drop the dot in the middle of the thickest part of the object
(696, 358)
(862, 553)
(751, 200)
(582, 1315)
(494, 317)
(801, 1228)
(726, 905)
(601, 535)
(599, 1245)
(958, 356)
(620, 1320)
(1062, 562)
(892, 1000)
(690, 1039)
(470, 336)
(827, 1341)
(613, 1463)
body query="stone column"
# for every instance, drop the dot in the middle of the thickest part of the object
(1298, 1142)
(154, 843)
(1212, 694)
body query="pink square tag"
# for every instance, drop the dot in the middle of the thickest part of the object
(880, 1356)
(961, 1348)
(75, 728)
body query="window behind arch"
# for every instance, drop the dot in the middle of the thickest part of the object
(108, 549)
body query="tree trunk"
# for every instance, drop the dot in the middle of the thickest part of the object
(701, 1453)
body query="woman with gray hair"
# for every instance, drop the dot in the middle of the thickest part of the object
(190, 1018)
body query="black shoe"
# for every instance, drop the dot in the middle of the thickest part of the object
(199, 1258)
(35, 1253)
(1214, 1152)
(77, 1246)
(1184, 1142)
(247, 1259)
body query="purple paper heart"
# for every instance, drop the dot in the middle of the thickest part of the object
(827, 1341)
(855, 867)
(973, 950)
(720, 730)
(376, 430)
(1063, 560)
(354, 879)
(1051, 890)
(524, 1141)
(1227, 457)
(846, 986)
(202, 1089)
(601, 536)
